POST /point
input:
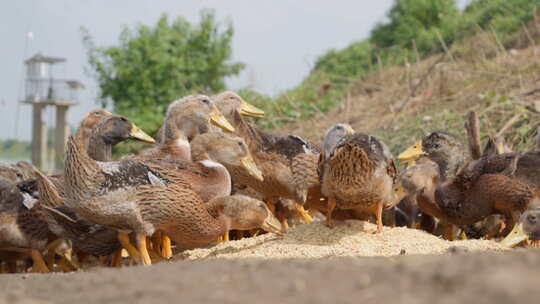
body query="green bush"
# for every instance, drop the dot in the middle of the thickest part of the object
(152, 66)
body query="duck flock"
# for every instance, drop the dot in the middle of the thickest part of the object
(211, 176)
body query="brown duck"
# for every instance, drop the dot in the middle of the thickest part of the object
(85, 236)
(443, 148)
(474, 195)
(185, 118)
(207, 174)
(21, 228)
(178, 211)
(358, 173)
(274, 155)
(411, 181)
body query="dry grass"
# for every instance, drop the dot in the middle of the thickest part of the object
(400, 104)
(349, 238)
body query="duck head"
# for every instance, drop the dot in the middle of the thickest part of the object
(114, 129)
(229, 102)
(11, 173)
(92, 119)
(193, 115)
(528, 228)
(226, 149)
(411, 182)
(333, 136)
(246, 213)
(443, 148)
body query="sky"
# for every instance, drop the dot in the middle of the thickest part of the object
(279, 40)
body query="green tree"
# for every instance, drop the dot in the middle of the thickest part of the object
(417, 20)
(152, 66)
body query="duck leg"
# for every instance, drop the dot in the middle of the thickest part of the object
(378, 214)
(133, 252)
(330, 208)
(116, 259)
(535, 244)
(143, 250)
(166, 249)
(39, 265)
(157, 241)
(448, 233)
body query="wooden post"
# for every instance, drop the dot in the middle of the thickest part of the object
(61, 136)
(39, 137)
(472, 125)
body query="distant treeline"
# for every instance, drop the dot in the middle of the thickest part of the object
(16, 149)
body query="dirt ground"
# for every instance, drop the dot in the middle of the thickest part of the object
(456, 277)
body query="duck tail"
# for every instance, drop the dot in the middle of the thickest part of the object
(48, 193)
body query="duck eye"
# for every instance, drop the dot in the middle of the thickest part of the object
(205, 100)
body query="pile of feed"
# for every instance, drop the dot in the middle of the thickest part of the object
(348, 238)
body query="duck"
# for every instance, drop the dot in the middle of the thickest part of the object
(63, 221)
(89, 178)
(21, 227)
(276, 156)
(358, 172)
(417, 176)
(474, 195)
(207, 173)
(178, 211)
(185, 118)
(443, 148)
(527, 229)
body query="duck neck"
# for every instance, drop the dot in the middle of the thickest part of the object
(426, 202)
(216, 207)
(217, 178)
(99, 148)
(449, 162)
(81, 172)
(254, 138)
(176, 142)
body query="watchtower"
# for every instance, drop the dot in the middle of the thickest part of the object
(42, 90)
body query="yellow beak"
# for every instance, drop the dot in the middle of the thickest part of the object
(219, 120)
(249, 164)
(272, 224)
(412, 153)
(516, 236)
(138, 134)
(349, 130)
(250, 110)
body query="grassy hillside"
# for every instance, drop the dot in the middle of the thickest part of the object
(400, 104)
(416, 30)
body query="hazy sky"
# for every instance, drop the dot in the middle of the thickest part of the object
(278, 40)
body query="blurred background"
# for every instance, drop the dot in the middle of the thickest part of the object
(294, 59)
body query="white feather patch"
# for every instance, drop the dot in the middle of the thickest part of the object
(28, 201)
(211, 164)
